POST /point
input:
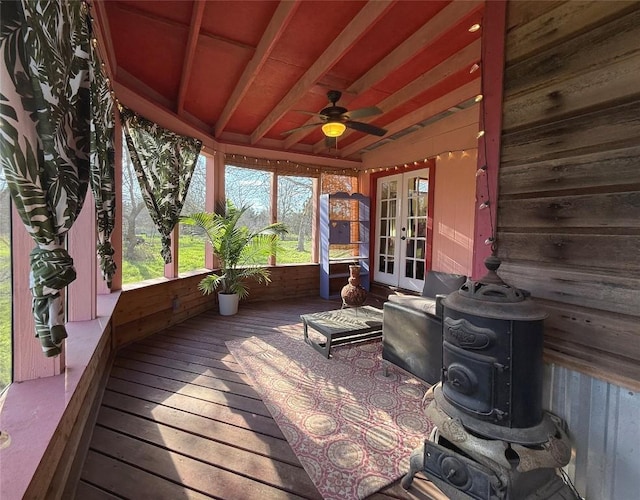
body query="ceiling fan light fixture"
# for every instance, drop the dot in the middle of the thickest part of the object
(333, 129)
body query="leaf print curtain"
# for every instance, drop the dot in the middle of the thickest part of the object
(102, 164)
(164, 162)
(44, 140)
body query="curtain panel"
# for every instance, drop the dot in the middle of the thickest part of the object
(45, 141)
(164, 162)
(103, 164)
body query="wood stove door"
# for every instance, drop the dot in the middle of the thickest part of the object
(469, 379)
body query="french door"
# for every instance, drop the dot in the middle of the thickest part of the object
(402, 203)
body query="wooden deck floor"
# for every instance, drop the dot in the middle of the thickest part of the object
(180, 420)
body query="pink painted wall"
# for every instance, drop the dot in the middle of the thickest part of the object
(454, 208)
(454, 212)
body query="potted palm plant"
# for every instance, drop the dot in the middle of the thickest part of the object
(239, 250)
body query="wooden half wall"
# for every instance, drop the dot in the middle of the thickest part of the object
(569, 178)
(148, 309)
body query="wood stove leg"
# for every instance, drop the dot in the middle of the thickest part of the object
(416, 464)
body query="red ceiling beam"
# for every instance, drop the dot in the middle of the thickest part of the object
(358, 26)
(460, 60)
(427, 34)
(447, 101)
(189, 53)
(272, 34)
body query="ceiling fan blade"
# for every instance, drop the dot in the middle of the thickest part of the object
(308, 125)
(366, 128)
(363, 112)
(307, 112)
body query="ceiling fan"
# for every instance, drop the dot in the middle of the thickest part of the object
(336, 119)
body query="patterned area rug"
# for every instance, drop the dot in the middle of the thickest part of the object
(352, 428)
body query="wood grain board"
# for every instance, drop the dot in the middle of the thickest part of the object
(569, 179)
(179, 418)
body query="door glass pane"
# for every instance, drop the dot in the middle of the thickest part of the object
(383, 227)
(392, 228)
(393, 189)
(381, 263)
(422, 229)
(384, 208)
(411, 244)
(385, 191)
(408, 269)
(420, 270)
(422, 206)
(392, 246)
(420, 249)
(392, 208)
(390, 266)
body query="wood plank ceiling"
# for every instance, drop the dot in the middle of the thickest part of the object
(239, 70)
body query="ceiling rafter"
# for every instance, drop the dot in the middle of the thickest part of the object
(272, 34)
(427, 34)
(457, 62)
(444, 103)
(189, 53)
(358, 26)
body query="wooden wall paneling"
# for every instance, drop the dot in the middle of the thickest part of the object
(526, 11)
(617, 127)
(597, 212)
(600, 289)
(149, 309)
(594, 363)
(607, 332)
(566, 79)
(587, 173)
(603, 251)
(534, 28)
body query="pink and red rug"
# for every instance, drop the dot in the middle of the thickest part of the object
(352, 428)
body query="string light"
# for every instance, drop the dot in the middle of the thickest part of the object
(480, 134)
(481, 171)
(483, 205)
(474, 68)
(478, 98)
(474, 27)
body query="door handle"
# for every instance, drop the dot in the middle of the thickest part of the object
(403, 238)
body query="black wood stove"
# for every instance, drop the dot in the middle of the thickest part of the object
(491, 439)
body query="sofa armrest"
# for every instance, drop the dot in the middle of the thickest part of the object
(418, 304)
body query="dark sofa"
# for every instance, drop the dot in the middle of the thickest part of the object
(412, 327)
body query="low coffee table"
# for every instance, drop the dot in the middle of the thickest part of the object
(341, 326)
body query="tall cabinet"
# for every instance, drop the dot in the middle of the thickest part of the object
(344, 240)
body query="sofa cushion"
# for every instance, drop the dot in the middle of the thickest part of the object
(439, 283)
(422, 304)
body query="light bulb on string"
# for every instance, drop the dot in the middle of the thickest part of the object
(483, 205)
(474, 68)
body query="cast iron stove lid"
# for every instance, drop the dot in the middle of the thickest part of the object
(493, 298)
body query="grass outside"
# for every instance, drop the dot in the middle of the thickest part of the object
(191, 256)
(5, 317)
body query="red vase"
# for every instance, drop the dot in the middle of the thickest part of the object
(353, 294)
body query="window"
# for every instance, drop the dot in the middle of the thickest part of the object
(6, 345)
(295, 209)
(191, 245)
(248, 181)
